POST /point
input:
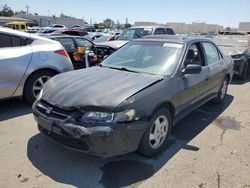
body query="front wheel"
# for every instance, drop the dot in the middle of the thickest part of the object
(222, 92)
(156, 135)
(35, 84)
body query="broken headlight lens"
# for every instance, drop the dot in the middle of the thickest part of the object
(104, 117)
(125, 116)
(97, 117)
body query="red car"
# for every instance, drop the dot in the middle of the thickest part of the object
(75, 32)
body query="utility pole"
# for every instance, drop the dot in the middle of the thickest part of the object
(27, 9)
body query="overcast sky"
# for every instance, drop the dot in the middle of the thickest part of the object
(223, 12)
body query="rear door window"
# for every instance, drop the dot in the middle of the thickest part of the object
(211, 52)
(170, 31)
(160, 31)
(5, 41)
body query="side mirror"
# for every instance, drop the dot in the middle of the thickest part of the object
(192, 69)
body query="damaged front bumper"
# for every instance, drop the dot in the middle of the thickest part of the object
(105, 140)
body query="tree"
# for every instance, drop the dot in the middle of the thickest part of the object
(6, 11)
(108, 23)
(20, 12)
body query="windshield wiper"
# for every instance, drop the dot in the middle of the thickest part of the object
(123, 69)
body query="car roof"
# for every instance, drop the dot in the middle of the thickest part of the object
(14, 32)
(63, 36)
(173, 39)
(149, 27)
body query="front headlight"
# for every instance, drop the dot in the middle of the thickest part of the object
(104, 117)
(125, 116)
(97, 117)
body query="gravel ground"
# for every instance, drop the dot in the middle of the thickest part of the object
(209, 148)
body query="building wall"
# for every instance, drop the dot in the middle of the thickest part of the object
(195, 27)
(44, 21)
(4, 20)
(148, 24)
(244, 26)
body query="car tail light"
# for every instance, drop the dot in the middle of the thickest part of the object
(62, 52)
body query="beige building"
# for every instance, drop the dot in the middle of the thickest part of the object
(195, 27)
(148, 24)
(44, 21)
(244, 26)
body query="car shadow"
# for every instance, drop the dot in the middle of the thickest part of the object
(13, 108)
(237, 81)
(81, 170)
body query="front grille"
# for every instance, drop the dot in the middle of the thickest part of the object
(52, 111)
(65, 140)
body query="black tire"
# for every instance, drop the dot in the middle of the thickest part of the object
(28, 89)
(220, 99)
(145, 147)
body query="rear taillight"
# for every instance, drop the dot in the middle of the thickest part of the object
(62, 52)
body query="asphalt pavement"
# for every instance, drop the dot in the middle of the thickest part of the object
(209, 148)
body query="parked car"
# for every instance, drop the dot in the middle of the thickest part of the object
(105, 38)
(105, 48)
(74, 32)
(132, 100)
(56, 27)
(21, 26)
(237, 45)
(44, 32)
(71, 44)
(93, 36)
(27, 62)
(141, 31)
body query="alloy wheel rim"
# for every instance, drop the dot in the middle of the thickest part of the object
(158, 132)
(223, 89)
(38, 85)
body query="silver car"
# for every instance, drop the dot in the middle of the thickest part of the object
(27, 62)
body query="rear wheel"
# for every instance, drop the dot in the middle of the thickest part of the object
(35, 84)
(156, 135)
(222, 92)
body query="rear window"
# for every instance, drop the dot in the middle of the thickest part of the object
(170, 31)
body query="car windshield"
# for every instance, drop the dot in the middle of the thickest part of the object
(83, 42)
(102, 39)
(157, 58)
(135, 33)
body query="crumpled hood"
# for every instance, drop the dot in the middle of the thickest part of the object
(95, 87)
(232, 44)
(113, 44)
(229, 51)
